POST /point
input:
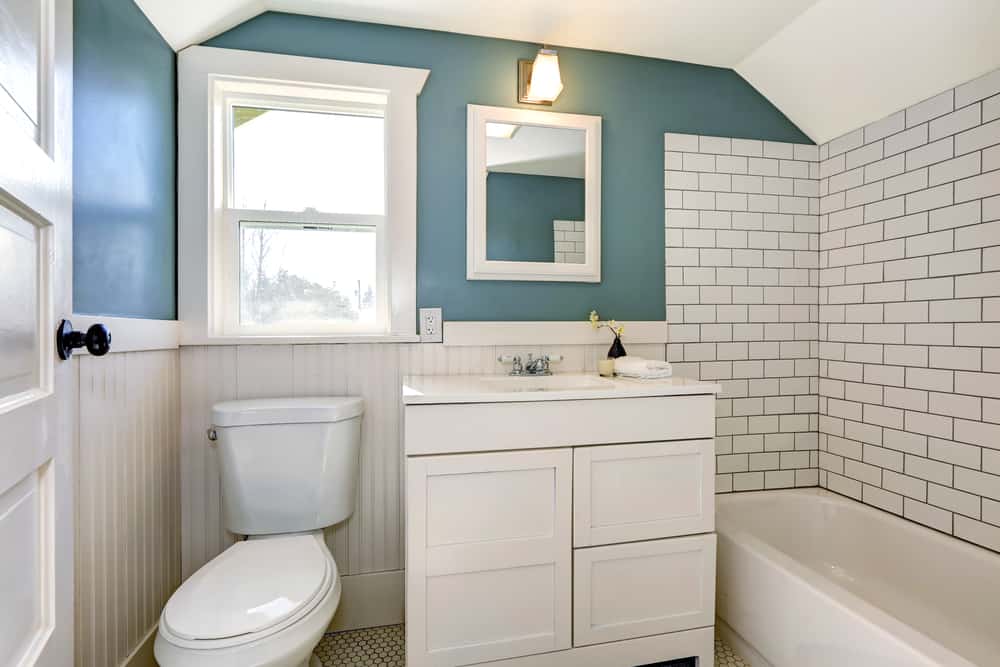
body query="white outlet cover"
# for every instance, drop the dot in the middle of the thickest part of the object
(430, 325)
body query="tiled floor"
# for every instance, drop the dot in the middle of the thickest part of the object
(383, 647)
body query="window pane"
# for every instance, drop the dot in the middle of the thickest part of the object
(300, 276)
(299, 160)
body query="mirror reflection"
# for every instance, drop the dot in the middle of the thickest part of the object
(535, 194)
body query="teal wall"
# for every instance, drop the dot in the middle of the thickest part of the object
(638, 98)
(520, 209)
(124, 163)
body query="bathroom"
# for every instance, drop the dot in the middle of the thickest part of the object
(653, 333)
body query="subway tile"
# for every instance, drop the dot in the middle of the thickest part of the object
(978, 483)
(906, 140)
(886, 126)
(864, 155)
(991, 108)
(721, 145)
(731, 164)
(687, 143)
(955, 263)
(748, 147)
(903, 184)
(957, 358)
(885, 209)
(962, 119)
(955, 405)
(931, 108)
(931, 198)
(955, 453)
(980, 284)
(928, 515)
(978, 187)
(978, 89)
(891, 166)
(910, 487)
(954, 500)
(953, 170)
(937, 151)
(979, 137)
(847, 142)
(975, 531)
(955, 216)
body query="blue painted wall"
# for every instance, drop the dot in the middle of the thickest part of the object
(520, 209)
(638, 98)
(124, 163)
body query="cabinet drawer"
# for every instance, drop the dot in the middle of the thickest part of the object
(626, 493)
(646, 588)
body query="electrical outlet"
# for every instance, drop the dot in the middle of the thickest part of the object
(430, 325)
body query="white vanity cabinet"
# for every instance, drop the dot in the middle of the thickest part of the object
(560, 528)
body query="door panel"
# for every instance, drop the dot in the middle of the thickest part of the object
(488, 556)
(20, 298)
(20, 47)
(37, 395)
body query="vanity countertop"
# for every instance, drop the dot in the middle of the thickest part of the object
(436, 389)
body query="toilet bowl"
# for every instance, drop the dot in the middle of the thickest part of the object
(288, 469)
(261, 603)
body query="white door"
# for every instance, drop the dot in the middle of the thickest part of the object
(488, 556)
(37, 396)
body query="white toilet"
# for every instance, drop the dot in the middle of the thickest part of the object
(289, 468)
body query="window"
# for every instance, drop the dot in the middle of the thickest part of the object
(310, 226)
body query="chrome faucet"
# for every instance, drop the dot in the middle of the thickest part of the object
(532, 366)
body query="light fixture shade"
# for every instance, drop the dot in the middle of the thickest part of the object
(546, 82)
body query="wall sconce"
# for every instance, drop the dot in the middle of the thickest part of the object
(539, 81)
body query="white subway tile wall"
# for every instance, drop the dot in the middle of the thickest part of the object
(569, 241)
(742, 284)
(909, 313)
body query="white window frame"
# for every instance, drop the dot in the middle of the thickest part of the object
(210, 82)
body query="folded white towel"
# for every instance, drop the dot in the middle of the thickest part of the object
(646, 369)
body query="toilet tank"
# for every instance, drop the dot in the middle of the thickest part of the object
(288, 464)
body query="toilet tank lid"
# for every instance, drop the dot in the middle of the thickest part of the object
(305, 410)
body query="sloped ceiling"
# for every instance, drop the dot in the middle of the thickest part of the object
(829, 65)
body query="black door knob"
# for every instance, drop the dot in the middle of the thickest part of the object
(97, 340)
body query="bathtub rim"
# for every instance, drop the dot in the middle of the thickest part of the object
(843, 599)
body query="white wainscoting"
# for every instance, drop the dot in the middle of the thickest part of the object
(372, 539)
(127, 502)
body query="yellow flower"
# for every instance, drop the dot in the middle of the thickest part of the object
(621, 331)
(595, 319)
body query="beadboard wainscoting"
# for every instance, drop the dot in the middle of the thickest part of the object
(910, 313)
(742, 235)
(128, 538)
(370, 543)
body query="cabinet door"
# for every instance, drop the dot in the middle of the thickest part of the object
(627, 493)
(489, 553)
(645, 588)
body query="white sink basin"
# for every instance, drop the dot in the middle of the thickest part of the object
(561, 382)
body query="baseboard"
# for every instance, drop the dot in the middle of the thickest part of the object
(369, 601)
(740, 645)
(142, 656)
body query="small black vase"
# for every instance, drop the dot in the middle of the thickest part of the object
(617, 349)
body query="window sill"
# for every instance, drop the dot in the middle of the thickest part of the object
(191, 341)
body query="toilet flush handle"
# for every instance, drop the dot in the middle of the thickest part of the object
(212, 435)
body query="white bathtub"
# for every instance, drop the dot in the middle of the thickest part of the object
(807, 578)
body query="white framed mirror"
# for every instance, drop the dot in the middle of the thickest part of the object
(534, 195)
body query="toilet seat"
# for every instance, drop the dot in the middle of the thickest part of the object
(253, 590)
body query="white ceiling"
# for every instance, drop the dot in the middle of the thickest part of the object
(829, 65)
